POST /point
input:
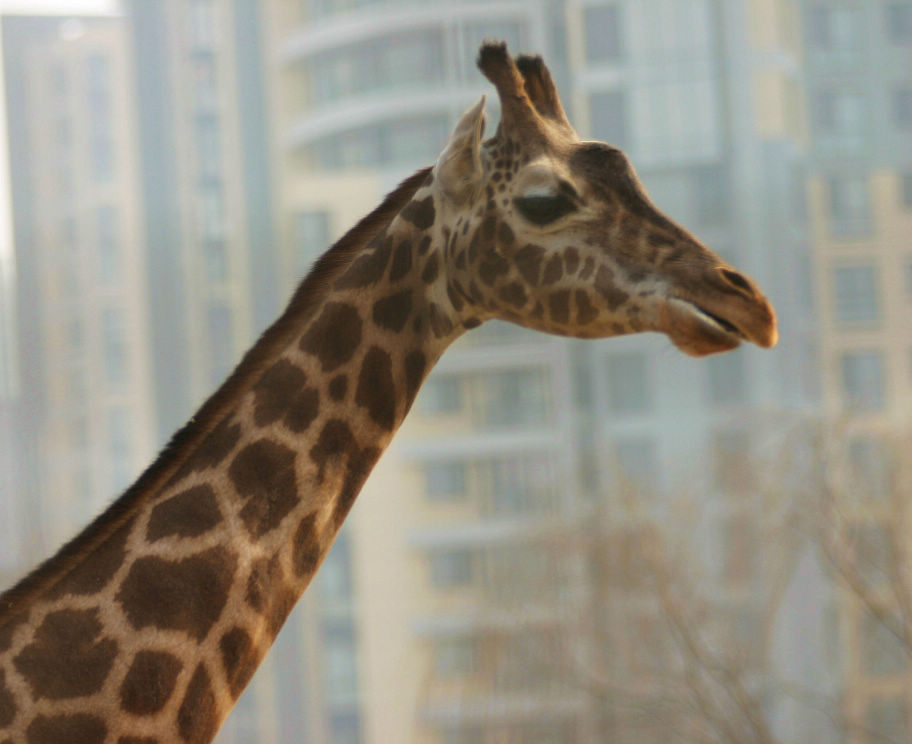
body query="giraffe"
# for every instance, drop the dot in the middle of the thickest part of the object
(146, 627)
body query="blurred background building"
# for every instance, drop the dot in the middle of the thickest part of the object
(175, 170)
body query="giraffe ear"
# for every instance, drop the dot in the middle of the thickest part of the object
(458, 169)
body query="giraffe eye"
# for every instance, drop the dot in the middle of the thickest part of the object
(542, 209)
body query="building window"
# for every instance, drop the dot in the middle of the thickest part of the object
(344, 728)
(100, 136)
(514, 398)
(856, 296)
(221, 345)
(841, 117)
(726, 379)
(712, 194)
(850, 206)
(310, 237)
(215, 257)
(863, 381)
(114, 346)
(608, 117)
(628, 383)
(208, 148)
(871, 476)
(201, 24)
(834, 28)
(899, 22)
(603, 33)
(335, 576)
(450, 568)
(341, 672)
(902, 108)
(212, 213)
(109, 255)
(516, 485)
(442, 394)
(455, 657)
(445, 481)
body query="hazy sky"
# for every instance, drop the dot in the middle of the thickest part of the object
(35, 7)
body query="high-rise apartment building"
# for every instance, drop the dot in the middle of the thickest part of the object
(517, 437)
(858, 74)
(86, 417)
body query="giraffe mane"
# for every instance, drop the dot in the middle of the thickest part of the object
(306, 298)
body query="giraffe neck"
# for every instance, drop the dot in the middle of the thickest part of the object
(152, 623)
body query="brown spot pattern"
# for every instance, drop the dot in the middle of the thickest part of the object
(585, 311)
(334, 336)
(263, 574)
(431, 269)
(514, 294)
(213, 449)
(334, 444)
(66, 658)
(604, 283)
(7, 702)
(420, 212)
(186, 595)
(559, 305)
(415, 365)
(402, 261)
(393, 311)
(239, 659)
(275, 391)
(338, 386)
(307, 552)
(197, 719)
(376, 391)
(137, 740)
(303, 410)
(263, 473)
(76, 728)
(93, 574)
(188, 514)
(370, 267)
(528, 260)
(149, 683)
(554, 269)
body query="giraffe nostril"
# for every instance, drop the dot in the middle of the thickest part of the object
(736, 280)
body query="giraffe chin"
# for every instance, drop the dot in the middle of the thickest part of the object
(697, 332)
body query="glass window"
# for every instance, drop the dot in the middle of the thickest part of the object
(215, 256)
(628, 383)
(221, 346)
(450, 568)
(850, 206)
(602, 26)
(335, 576)
(516, 485)
(712, 194)
(856, 295)
(902, 108)
(514, 398)
(110, 263)
(899, 22)
(842, 117)
(832, 28)
(340, 671)
(310, 237)
(863, 381)
(608, 117)
(727, 378)
(455, 656)
(442, 394)
(100, 136)
(445, 481)
(212, 213)
(208, 150)
(115, 347)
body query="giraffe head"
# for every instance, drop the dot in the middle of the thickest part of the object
(558, 234)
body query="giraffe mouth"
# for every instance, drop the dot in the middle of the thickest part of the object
(718, 322)
(698, 331)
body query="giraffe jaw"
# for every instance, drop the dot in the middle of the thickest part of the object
(697, 331)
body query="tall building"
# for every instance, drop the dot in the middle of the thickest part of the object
(518, 437)
(86, 420)
(858, 72)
